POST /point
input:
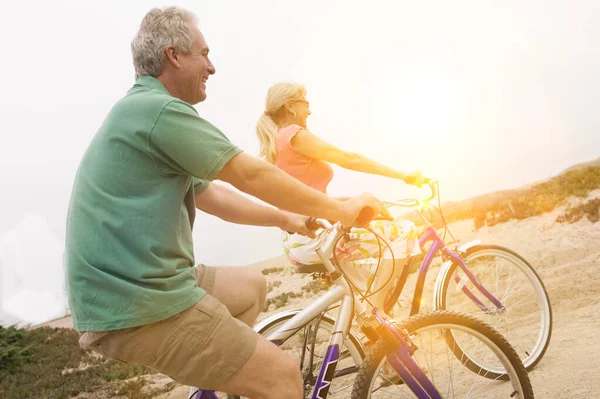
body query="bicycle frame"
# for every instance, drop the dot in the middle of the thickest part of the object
(340, 292)
(439, 245)
(401, 360)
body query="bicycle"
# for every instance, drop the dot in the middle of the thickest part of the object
(518, 305)
(487, 281)
(398, 355)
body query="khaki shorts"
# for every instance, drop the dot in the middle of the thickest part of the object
(202, 346)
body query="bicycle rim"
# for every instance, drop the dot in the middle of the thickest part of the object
(526, 321)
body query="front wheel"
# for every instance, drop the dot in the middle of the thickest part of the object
(526, 321)
(436, 335)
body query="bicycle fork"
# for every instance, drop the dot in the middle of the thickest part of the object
(402, 361)
(498, 306)
(332, 355)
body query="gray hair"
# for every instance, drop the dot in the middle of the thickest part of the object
(161, 28)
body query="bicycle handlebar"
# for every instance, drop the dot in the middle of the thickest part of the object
(316, 223)
(410, 202)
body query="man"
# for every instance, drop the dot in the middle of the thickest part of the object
(133, 290)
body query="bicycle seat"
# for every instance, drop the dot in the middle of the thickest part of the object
(301, 268)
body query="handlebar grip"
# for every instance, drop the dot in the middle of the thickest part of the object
(409, 180)
(312, 224)
(366, 215)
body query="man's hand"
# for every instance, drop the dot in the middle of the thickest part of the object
(304, 225)
(294, 223)
(362, 209)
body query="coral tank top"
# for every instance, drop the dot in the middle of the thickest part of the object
(313, 172)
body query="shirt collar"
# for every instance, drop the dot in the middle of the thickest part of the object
(151, 83)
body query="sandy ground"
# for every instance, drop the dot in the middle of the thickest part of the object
(567, 258)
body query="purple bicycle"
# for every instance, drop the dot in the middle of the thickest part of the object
(486, 281)
(433, 355)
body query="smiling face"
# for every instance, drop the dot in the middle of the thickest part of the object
(195, 68)
(301, 109)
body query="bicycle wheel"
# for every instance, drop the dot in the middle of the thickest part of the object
(436, 356)
(350, 357)
(527, 320)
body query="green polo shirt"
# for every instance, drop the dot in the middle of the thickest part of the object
(129, 251)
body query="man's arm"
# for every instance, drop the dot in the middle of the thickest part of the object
(268, 183)
(230, 206)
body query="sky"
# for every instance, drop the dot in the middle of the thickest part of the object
(482, 95)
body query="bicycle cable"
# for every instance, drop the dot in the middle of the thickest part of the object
(347, 278)
(366, 295)
(439, 209)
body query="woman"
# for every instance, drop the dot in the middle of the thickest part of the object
(286, 142)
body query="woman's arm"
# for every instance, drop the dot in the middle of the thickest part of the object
(311, 146)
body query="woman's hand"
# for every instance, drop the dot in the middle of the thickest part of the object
(415, 179)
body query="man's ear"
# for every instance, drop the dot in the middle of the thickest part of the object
(173, 56)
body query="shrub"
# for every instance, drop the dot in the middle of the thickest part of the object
(590, 209)
(499, 207)
(45, 363)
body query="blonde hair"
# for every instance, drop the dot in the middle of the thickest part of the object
(266, 127)
(160, 29)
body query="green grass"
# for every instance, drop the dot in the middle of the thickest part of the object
(281, 300)
(315, 286)
(272, 285)
(32, 365)
(272, 270)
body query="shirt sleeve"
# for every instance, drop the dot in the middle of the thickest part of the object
(199, 185)
(291, 133)
(183, 143)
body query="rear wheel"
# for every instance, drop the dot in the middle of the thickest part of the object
(526, 321)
